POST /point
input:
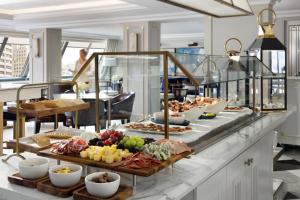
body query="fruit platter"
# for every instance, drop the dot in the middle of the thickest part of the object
(112, 149)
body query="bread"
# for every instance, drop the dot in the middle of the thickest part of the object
(49, 103)
(33, 106)
(57, 103)
(57, 135)
(41, 140)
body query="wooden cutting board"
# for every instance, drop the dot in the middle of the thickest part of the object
(16, 178)
(140, 172)
(123, 193)
(47, 187)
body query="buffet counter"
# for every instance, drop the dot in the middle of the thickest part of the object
(189, 177)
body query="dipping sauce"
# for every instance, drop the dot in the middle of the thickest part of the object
(64, 170)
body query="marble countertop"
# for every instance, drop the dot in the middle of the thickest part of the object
(171, 183)
(199, 127)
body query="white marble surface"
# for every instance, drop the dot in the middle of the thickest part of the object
(171, 183)
(199, 127)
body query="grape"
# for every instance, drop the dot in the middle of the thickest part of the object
(133, 143)
(139, 144)
(120, 146)
(127, 144)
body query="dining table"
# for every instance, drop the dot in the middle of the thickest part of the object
(106, 97)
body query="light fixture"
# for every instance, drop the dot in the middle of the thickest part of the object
(214, 8)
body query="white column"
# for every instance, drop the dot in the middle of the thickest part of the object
(143, 36)
(45, 55)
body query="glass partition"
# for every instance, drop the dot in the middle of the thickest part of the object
(135, 86)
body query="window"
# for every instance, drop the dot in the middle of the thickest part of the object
(13, 57)
(71, 54)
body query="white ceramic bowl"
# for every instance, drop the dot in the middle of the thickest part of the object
(102, 190)
(216, 108)
(194, 113)
(65, 180)
(33, 168)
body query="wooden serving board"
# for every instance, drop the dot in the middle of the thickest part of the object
(25, 147)
(140, 172)
(47, 187)
(122, 193)
(16, 178)
(49, 111)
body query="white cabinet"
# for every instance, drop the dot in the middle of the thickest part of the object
(237, 178)
(262, 169)
(212, 189)
(247, 177)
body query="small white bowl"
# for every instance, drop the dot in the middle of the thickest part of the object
(102, 190)
(33, 168)
(65, 180)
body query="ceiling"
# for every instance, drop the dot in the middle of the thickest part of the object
(104, 17)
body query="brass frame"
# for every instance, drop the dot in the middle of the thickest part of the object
(259, 16)
(247, 13)
(165, 54)
(17, 153)
(229, 52)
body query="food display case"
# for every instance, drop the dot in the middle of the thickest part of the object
(241, 80)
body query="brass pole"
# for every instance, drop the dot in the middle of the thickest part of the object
(166, 98)
(76, 112)
(183, 69)
(56, 121)
(97, 93)
(254, 91)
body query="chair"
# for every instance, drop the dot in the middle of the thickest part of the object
(87, 117)
(180, 94)
(121, 107)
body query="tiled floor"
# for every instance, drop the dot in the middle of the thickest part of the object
(287, 168)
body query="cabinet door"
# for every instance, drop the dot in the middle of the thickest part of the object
(212, 189)
(261, 169)
(237, 177)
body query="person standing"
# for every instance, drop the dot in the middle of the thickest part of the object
(84, 77)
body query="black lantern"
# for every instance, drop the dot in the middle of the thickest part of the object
(269, 50)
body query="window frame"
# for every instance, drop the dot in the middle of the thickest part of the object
(25, 69)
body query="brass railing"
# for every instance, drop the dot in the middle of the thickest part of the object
(18, 114)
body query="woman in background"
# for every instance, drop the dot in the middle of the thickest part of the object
(84, 77)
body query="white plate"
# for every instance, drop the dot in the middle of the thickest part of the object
(242, 110)
(156, 132)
